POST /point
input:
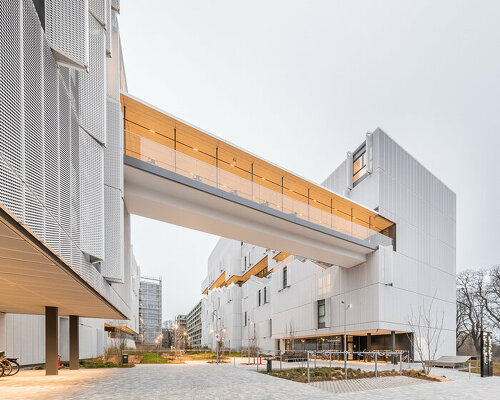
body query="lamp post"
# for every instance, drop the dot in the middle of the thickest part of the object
(346, 307)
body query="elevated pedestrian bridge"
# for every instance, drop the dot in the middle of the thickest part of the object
(180, 174)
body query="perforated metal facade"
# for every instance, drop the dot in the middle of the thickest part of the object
(53, 122)
(66, 29)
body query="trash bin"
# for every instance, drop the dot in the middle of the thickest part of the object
(269, 365)
(124, 358)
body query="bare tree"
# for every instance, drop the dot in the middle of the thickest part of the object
(426, 326)
(291, 336)
(491, 296)
(472, 313)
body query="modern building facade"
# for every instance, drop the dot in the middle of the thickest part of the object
(61, 181)
(193, 326)
(150, 310)
(79, 154)
(292, 301)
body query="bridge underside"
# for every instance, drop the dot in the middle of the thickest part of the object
(159, 194)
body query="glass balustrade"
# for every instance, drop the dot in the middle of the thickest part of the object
(167, 158)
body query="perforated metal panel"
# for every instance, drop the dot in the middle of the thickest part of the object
(92, 85)
(32, 115)
(113, 63)
(66, 29)
(113, 154)
(51, 149)
(112, 267)
(91, 196)
(65, 171)
(11, 150)
(109, 43)
(98, 10)
(75, 187)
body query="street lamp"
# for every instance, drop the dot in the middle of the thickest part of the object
(346, 307)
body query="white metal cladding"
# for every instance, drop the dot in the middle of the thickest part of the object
(112, 268)
(66, 29)
(11, 146)
(113, 154)
(113, 63)
(32, 116)
(91, 196)
(51, 149)
(98, 9)
(92, 85)
(109, 44)
(65, 171)
(75, 190)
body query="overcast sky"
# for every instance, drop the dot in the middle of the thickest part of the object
(300, 82)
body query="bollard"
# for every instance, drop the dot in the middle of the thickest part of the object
(345, 364)
(469, 368)
(315, 357)
(330, 360)
(234, 362)
(400, 363)
(308, 374)
(280, 359)
(376, 372)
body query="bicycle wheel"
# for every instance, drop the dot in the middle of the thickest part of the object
(15, 367)
(7, 367)
(2, 370)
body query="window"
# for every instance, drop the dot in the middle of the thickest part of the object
(321, 314)
(285, 277)
(270, 328)
(265, 295)
(245, 320)
(359, 165)
(258, 298)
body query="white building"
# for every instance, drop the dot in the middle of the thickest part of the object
(301, 299)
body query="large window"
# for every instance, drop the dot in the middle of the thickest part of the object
(258, 298)
(321, 313)
(265, 294)
(359, 165)
(285, 277)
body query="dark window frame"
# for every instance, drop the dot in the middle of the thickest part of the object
(321, 315)
(285, 277)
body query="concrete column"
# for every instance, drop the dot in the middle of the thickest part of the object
(393, 336)
(51, 340)
(369, 344)
(74, 350)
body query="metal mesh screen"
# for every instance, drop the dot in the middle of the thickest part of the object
(65, 170)
(112, 267)
(98, 10)
(109, 44)
(75, 189)
(32, 109)
(66, 29)
(115, 4)
(113, 154)
(92, 85)
(113, 63)
(51, 149)
(91, 195)
(11, 160)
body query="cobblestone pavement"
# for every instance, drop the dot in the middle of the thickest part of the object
(358, 385)
(226, 381)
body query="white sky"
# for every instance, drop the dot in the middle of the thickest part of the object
(300, 82)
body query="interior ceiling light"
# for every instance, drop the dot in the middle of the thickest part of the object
(195, 149)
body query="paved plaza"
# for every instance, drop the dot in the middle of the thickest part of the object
(230, 381)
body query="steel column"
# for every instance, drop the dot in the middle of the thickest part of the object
(74, 350)
(51, 340)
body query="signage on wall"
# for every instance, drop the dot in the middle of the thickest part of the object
(486, 354)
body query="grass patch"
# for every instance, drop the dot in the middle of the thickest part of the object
(100, 364)
(337, 373)
(206, 356)
(476, 369)
(153, 358)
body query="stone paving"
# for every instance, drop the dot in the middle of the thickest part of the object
(225, 381)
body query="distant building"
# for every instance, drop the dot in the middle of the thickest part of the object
(194, 326)
(181, 322)
(149, 310)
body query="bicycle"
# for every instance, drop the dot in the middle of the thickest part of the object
(8, 366)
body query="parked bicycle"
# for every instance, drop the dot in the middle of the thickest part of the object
(8, 365)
